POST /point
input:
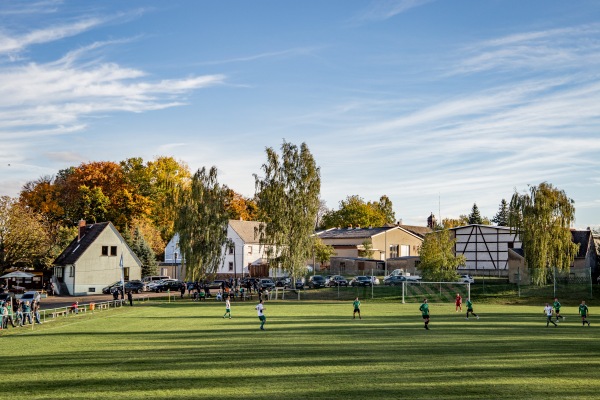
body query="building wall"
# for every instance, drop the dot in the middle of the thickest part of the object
(485, 247)
(93, 271)
(395, 237)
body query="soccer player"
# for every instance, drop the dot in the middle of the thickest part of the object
(458, 302)
(470, 308)
(261, 314)
(227, 308)
(425, 312)
(548, 311)
(557, 306)
(356, 305)
(583, 311)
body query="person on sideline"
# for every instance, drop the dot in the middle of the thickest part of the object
(425, 313)
(548, 311)
(261, 314)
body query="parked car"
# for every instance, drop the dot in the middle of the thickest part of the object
(283, 282)
(374, 279)
(361, 281)
(337, 280)
(466, 279)
(266, 283)
(172, 285)
(316, 281)
(152, 285)
(154, 278)
(109, 289)
(30, 297)
(394, 280)
(6, 296)
(136, 286)
(300, 283)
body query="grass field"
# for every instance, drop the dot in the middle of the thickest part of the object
(186, 350)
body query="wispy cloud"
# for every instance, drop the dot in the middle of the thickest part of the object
(29, 7)
(298, 51)
(382, 10)
(538, 50)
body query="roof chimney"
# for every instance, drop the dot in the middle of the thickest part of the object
(81, 229)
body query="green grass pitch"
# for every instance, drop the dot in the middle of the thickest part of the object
(309, 350)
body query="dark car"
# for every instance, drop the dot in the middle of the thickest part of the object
(283, 282)
(361, 281)
(316, 281)
(337, 280)
(266, 283)
(300, 283)
(173, 286)
(394, 280)
(135, 286)
(110, 288)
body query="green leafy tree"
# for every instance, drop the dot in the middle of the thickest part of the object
(287, 195)
(23, 239)
(367, 249)
(202, 224)
(501, 217)
(438, 261)
(385, 207)
(323, 252)
(543, 218)
(354, 211)
(144, 252)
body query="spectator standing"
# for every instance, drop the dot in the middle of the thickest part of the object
(27, 313)
(130, 297)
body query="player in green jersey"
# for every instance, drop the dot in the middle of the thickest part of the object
(425, 312)
(470, 308)
(557, 306)
(356, 305)
(584, 312)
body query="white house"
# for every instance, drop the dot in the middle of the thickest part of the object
(93, 260)
(485, 247)
(245, 249)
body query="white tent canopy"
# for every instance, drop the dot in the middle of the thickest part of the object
(17, 274)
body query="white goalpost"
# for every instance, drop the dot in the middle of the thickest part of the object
(443, 290)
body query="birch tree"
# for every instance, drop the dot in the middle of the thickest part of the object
(543, 218)
(287, 195)
(202, 224)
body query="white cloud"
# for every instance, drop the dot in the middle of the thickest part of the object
(382, 10)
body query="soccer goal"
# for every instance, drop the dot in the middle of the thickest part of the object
(284, 294)
(414, 292)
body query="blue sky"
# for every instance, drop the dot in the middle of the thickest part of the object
(437, 104)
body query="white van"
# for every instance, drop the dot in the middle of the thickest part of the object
(153, 278)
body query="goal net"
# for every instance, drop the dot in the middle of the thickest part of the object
(443, 292)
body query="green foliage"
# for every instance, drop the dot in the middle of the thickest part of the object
(543, 218)
(475, 216)
(367, 249)
(438, 261)
(323, 252)
(144, 252)
(354, 211)
(501, 217)
(23, 238)
(287, 196)
(202, 224)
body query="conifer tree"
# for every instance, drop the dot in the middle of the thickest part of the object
(501, 217)
(475, 216)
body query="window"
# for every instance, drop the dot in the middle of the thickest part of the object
(249, 249)
(231, 247)
(105, 250)
(394, 249)
(71, 271)
(404, 251)
(126, 273)
(92, 290)
(511, 245)
(230, 266)
(113, 250)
